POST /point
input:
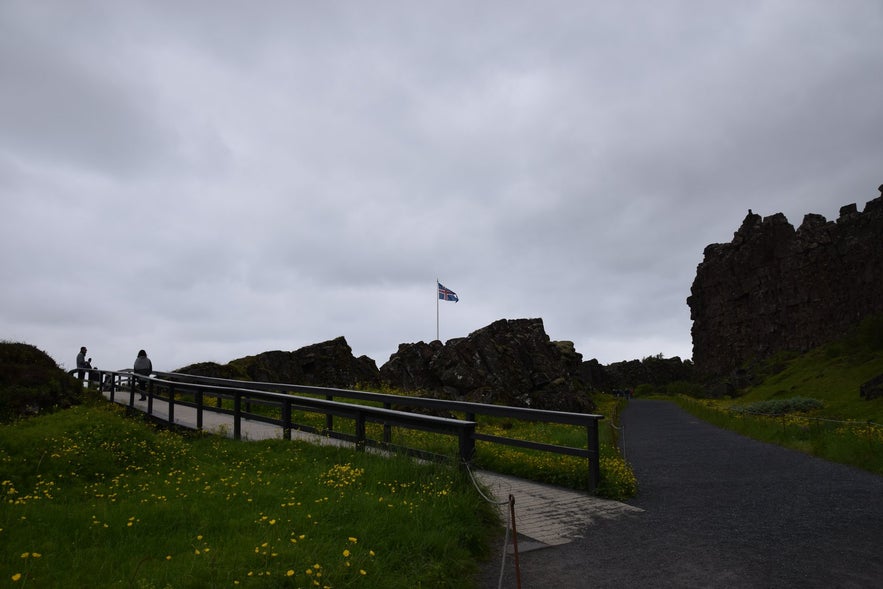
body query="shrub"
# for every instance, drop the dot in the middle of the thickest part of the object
(780, 406)
(683, 387)
(618, 480)
(644, 390)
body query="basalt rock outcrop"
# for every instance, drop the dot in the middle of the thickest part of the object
(511, 362)
(328, 364)
(655, 371)
(774, 288)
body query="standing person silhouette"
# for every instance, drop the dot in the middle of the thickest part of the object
(144, 367)
(82, 363)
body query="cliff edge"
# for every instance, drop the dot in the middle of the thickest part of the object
(774, 288)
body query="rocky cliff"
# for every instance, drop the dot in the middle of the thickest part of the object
(774, 288)
(327, 364)
(656, 371)
(511, 361)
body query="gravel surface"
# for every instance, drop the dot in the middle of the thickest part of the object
(720, 510)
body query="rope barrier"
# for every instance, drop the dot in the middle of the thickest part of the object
(510, 525)
(621, 447)
(478, 487)
(514, 545)
(852, 422)
(509, 519)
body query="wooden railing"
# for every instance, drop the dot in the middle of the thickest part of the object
(207, 394)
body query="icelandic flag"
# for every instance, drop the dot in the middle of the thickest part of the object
(446, 294)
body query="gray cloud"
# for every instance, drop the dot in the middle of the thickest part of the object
(208, 180)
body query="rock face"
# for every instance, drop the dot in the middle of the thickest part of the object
(329, 364)
(655, 371)
(773, 288)
(873, 388)
(511, 361)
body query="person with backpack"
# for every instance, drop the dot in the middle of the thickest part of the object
(143, 366)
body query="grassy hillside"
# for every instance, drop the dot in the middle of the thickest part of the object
(832, 374)
(811, 402)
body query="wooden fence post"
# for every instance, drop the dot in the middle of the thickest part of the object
(237, 415)
(387, 429)
(171, 402)
(360, 431)
(286, 419)
(594, 454)
(467, 444)
(329, 419)
(198, 397)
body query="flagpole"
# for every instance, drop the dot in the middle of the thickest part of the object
(436, 307)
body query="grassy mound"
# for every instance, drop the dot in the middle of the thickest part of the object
(32, 383)
(812, 402)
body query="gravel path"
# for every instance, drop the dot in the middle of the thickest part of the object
(720, 510)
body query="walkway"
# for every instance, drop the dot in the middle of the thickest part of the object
(716, 509)
(544, 515)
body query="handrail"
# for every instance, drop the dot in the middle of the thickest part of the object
(285, 396)
(587, 420)
(525, 413)
(361, 414)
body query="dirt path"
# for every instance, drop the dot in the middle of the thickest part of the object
(720, 510)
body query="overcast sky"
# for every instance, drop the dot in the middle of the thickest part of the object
(213, 179)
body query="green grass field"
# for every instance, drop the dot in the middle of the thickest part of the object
(617, 480)
(90, 498)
